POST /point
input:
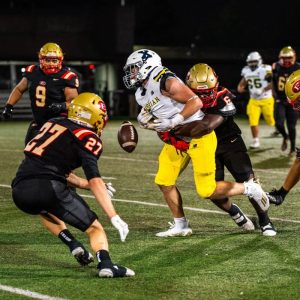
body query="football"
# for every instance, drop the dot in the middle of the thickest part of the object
(127, 136)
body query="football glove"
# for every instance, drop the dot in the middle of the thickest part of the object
(110, 189)
(7, 111)
(144, 119)
(57, 107)
(121, 226)
(167, 124)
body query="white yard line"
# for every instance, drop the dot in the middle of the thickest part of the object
(27, 293)
(185, 207)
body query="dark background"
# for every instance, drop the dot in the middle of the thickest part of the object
(218, 32)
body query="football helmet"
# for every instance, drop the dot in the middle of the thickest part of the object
(292, 89)
(203, 81)
(254, 60)
(138, 66)
(51, 58)
(89, 110)
(287, 57)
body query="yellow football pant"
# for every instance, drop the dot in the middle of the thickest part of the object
(256, 107)
(202, 154)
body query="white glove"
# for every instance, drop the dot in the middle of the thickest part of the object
(167, 124)
(144, 117)
(110, 189)
(121, 226)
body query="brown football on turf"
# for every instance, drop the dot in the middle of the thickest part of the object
(127, 136)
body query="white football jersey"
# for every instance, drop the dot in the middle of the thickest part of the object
(256, 81)
(160, 106)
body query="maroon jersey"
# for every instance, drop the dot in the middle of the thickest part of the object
(45, 89)
(60, 147)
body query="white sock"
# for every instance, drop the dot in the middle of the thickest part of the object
(256, 139)
(180, 222)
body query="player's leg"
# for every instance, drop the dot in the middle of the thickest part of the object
(254, 112)
(72, 209)
(59, 229)
(226, 204)
(291, 120)
(280, 119)
(238, 163)
(171, 164)
(268, 111)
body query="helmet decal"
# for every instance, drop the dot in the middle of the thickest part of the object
(145, 54)
(296, 87)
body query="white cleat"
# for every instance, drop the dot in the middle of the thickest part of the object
(268, 230)
(175, 231)
(243, 221)
(254, 190)
(255, 145)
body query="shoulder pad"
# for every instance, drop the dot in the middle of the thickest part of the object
(244, 70)
(81, 133)
(30, 68)
(68, 75)
(268, 67)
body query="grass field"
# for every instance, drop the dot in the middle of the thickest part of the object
(218, 262)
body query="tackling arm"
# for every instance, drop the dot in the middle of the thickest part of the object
(196, 129)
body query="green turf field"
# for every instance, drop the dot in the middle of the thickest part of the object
(218, 262)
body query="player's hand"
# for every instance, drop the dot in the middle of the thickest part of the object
(110, 189)
(143, 118)
(7, 111)
(57, 107)
(121, 226)
(167, 124)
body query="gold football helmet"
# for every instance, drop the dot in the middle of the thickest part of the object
(203, 81)
(89, 110)
(292, 89)
(51, 58)
(287, 56)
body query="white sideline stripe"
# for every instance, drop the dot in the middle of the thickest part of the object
(188, 208)
(27, 293)
(185, 207)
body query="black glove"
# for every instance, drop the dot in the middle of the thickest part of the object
(57, 107)
(7, 111)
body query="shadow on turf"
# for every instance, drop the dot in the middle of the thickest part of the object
(280, 162)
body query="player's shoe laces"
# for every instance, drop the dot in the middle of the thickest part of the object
(83, 256)
(255, 191)
(176, 231)
(108, 269)
(268, 230)
(242, 220)
(275, 197)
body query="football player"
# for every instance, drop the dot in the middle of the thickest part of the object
(51, 88)
(231, 150)
(40, 185)
(292, 91)
(167, 102)
(257, 79)
(284, 67)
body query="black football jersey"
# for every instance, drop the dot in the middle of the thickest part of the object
(45, 89)
(280, 75)
(223, 105)
(60, 147)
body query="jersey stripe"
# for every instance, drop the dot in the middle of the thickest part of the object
(81, 133)
(157, 77)
(68, 75)
(30, 68)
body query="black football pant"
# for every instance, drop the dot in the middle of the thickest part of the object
(38, 195)
(285, 111)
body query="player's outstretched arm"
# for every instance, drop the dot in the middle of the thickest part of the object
(196, 129)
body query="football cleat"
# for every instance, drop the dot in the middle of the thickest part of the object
(254, 191)
(268, 230)
(275, 197)
(255, 144)
(242, 220)
(83, 256)
(176, 231)
(108, 269)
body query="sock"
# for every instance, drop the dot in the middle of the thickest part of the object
(256, 139)
(233, 210)
(102, 255)
(67, 238)
(283, 192)
(180, 222)
(263, 218)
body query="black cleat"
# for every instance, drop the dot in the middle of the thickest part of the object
(83, 256)
(108, 269)
(275, 197)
